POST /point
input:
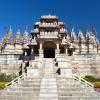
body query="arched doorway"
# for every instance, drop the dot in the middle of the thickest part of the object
(70, 51)
(49, 49)
(49, 53)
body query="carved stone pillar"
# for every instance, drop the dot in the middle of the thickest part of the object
(57, 45)
(25, 53)
(67, 51)
(32, 53)
(41, 51)
(57, 51)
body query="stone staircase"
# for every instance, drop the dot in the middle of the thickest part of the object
(29, 88)
(48, 89)
(49, 86)
(70, 89)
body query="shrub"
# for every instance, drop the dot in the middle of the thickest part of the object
(7, 78)
(2, 85)
(3, 77)
(90, 78)
(96, 84)
(98, 79)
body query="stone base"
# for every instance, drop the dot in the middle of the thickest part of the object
(32, 72)
(41, 53)
(57, 53)
(66, 72)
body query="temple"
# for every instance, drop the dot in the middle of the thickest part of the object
(50, 62)
(49, 39)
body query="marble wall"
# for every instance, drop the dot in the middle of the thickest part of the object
(10, 63)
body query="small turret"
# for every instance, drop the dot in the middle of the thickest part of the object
(18, 34)
(18, 41)
(9, 33)
(25, 37)
(9, 42)
(80, 35)
(9, 36)
(73, 35)
(89, 33)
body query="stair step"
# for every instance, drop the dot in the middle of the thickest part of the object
(46, 90)
(48, 98)
(48, 95)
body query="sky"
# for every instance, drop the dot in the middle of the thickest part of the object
(73, 12)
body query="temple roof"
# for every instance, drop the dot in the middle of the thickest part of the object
(49, 17)
(49, 29)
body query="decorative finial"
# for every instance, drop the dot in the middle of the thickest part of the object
(10, 29)
(89, 28)
(18, 27)
(26, 33)
(10, 32)
(80, 28)
(18, 32)
(73, 29)
(73, 35)
(94, 31)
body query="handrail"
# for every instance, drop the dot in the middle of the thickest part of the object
(82, 80)
(16, 80)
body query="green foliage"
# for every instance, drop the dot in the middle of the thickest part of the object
(2, 85)
(7, 78)
(90, 78)
(93, 80)
(98, 79)
(96, 84)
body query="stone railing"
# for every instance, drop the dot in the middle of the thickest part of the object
(47, 25)
(48, 36)
(49, 17)
(83, 81)
(62, 30)
(55, 33)
(15, 81)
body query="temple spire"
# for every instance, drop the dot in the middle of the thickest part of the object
(80, 34)
(80, 29)
(73, 35)
(18, 32)
(26, 29)
(18, 27)
(89, 28)
(89, 32)
(26, 33)
(10, 29)
(9, 33)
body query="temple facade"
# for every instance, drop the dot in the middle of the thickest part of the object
(49, 39)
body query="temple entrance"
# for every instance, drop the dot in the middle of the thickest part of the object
(49, 49)
(70, 52)
(49, 53)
